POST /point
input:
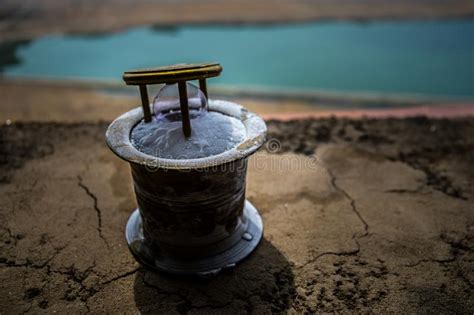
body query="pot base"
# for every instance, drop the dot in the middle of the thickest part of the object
(206, 266)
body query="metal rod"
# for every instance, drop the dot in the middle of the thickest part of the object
(183, 102)
(203, 86)
(145, 103)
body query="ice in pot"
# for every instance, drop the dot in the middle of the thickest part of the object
(211, 132)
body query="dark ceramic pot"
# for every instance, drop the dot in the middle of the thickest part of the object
(192, 215)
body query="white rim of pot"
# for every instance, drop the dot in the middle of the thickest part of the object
(118, 139)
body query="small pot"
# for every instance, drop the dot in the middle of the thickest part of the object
(192, 215)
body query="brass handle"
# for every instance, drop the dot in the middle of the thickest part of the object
(172, 74)
(179, 73)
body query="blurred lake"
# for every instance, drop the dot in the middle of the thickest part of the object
(434, 58)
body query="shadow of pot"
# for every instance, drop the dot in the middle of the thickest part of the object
(264, 284)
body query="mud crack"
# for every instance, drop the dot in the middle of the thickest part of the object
(96, 208)
(351, 200)
(331, 253)
(434, 179)
(354, 236)
(407, 191)
(121, 276)
(461, 245)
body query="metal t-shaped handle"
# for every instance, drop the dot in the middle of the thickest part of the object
(179, 73)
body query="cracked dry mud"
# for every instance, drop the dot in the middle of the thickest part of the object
(360, 216)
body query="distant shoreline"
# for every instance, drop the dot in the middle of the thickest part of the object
(264, 24)
(24, 21)
(340, 99)
(63, 101)
(14, 37)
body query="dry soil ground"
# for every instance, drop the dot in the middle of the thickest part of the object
(359, 216)
(28, 19)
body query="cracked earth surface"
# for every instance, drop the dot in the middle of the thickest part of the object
(360, 216)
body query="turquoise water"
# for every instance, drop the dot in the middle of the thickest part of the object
(428, 57)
